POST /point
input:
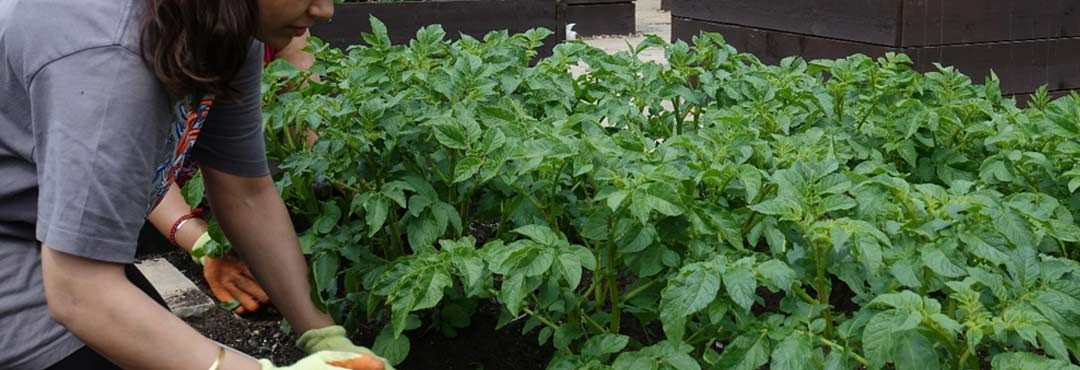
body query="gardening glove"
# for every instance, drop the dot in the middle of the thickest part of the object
(199, 249)
(332, 338)
(231, 281)
(329, 360)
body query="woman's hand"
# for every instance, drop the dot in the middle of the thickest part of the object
(231, 281)
(330, 361)
(332, 338)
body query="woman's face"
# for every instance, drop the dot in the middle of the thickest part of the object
(282, 20)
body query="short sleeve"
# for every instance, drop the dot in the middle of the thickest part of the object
(101, 122)
(232, 138)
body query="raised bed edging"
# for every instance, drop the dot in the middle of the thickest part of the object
(475, 18)
(1026, 44)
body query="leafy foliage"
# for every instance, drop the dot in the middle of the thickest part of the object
(832, 214)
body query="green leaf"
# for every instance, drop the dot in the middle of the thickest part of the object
(466, 168)
(982, 249)
(376, 210)
(194, 190)
(776, 274)
(423, 232)
(748, 352)
(325, 269)
(879, 341)
(604, 344)
(378, 29)
(1014, 228)
(1028, 361)
(940, 264)
(691, 290)
(751, 180)
(740, 283)
(914, 352)
(328, 218)
(431, 286)
(450, 134)
(513, 292)
(793, 353)
(540, 234)
(394, 350)
(570, 267)
(616, 198)
(643, 240)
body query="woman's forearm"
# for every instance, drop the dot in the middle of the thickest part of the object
(96, 302)
(257, 224)
(172, 207)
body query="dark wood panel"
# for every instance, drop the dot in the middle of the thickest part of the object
(772, 46)
(665, 5)
(945, 22)
(1024, 100)
(475, 18)
(1019, 65)
(582, 2)
(1022, 66)
(868, 21)
(602, 19)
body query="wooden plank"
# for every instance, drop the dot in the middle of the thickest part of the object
(1063, 69)
(1024, 100)
(665, 5)
(602, 19)
(474, 18)
(867, 21)
(772, 46)
(1022, 66)
(590, 2)
(946, 22)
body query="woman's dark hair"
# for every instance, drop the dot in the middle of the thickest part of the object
(197, 46)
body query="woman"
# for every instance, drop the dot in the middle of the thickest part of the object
(229, 278)
(104, 101)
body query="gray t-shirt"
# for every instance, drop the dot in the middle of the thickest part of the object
(84, 128)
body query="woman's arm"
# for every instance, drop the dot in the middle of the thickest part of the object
(172, 207)
(96, 302)
(257, 224)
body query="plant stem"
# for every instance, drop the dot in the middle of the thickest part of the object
(395, 240)
(594, 324)
(678, 116)
(540, 318)
(802, 293)
(613, 285)
(861, 360)
(823, 292)
(633, 293)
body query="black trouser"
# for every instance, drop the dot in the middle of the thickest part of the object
(85, 358)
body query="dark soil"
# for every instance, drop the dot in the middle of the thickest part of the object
(479, 346)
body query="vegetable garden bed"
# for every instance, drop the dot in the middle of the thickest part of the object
(1028, 44)
(835, 214)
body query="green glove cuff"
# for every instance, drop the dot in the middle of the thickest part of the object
(325, 339)
(198, 251)
(332, 338)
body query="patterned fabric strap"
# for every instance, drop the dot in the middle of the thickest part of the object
(182, 167)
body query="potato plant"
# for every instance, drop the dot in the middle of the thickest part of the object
(712, 212)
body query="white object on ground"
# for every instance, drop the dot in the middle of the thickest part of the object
(182, 296)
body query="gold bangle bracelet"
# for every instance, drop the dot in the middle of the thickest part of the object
(220, 358)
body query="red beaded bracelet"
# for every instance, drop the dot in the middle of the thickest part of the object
(195, 213)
